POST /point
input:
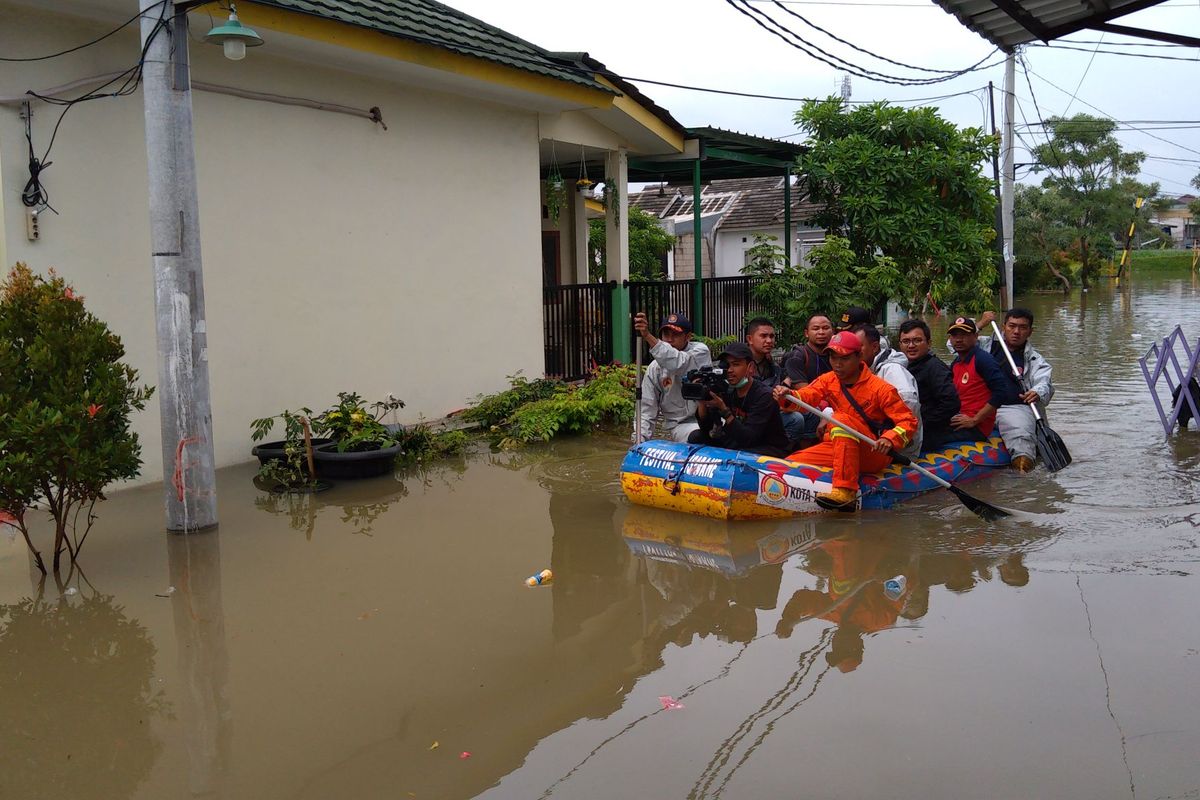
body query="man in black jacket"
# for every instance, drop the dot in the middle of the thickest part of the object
(935, 386)
(747, 417)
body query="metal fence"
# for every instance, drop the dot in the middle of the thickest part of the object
(578, 318)
(578, 328)
(727, 302)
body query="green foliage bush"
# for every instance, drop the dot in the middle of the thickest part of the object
(555, 408)
(908, 184)
(648, 243)
(492, 410)
(66, 399)
(836, 280)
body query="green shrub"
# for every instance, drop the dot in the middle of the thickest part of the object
(491, 410)
(554, 408)
(716, 346)
(66, 400)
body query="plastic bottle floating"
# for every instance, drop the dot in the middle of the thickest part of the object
(540, 579)
(893, 588)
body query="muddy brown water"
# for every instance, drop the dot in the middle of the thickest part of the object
(377, 640)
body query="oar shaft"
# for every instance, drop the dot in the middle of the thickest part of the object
(1012, 364)
(637, 395)
(862, 437)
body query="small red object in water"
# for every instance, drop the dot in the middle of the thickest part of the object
(464, 754)
(670, 703)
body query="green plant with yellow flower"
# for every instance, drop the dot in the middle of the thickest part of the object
(355, 426)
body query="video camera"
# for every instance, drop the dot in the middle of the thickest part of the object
(697, 383)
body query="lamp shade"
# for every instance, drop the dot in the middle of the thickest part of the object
(234, 38)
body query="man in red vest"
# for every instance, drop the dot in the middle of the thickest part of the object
(982, 386)
(860, 400)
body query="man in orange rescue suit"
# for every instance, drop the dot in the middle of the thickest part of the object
(862, 401)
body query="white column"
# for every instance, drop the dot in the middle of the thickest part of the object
(579, 234)
(617, 216)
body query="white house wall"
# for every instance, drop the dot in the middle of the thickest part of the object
(733, 244)
(337, 256)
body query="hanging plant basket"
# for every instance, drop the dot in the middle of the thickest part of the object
(556, 194)
(585, 187)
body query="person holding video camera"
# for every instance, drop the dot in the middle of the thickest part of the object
(674, 353)
(739, 413)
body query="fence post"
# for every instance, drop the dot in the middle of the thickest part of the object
(620, 321)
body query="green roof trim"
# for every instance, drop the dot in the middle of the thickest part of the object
(432, 23)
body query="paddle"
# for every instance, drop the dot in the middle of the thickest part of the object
(989, 512)
(1050, 445)
(637, 395)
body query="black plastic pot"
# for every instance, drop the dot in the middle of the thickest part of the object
(352, 465)
(273, 451)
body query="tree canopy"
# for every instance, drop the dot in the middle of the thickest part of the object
(906, 184)
(648, 243)
(1092, 176)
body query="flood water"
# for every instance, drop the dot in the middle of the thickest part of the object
(377, 640)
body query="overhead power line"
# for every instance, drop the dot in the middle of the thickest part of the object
(864, 51)
(76, 48)
(1153, 56)
(1101, 111)
(793, 39)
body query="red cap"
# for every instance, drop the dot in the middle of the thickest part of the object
(844, 343)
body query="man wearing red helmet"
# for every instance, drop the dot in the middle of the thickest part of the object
(862, 401)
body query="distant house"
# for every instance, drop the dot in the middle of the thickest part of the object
(732, 211)
(1178, 222)
(338, 254)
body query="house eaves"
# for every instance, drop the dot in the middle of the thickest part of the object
(1009, 23)
(429, 36)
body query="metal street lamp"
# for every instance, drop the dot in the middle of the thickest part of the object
(233, 36)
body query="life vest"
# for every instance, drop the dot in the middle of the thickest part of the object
(973, 391)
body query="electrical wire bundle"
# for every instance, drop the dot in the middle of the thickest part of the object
(793, 39)
(125, 83)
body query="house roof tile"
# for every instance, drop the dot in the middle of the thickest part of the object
(433, 23)
(758, 202)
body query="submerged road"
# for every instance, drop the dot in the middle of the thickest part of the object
(377, 640)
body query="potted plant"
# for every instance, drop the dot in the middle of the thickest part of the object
(287, 465)
(362, 446)
(585, 187)
(555, 195)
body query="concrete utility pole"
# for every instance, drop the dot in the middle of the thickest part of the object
(1006, 189)
(189, 478)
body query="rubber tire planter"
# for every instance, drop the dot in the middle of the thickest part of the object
(348, 466)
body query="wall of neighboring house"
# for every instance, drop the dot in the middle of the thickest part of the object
(733, 244)
(683, 260)
(337, 256)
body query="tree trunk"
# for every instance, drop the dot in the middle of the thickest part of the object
(1085, 273)
(1066, 282)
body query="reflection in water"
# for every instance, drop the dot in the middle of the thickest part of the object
(195, 565)
(75, 689)
(360, 504)
(710, 577)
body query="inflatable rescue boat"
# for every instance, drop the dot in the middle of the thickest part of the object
(728, 484)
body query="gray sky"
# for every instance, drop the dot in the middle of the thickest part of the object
(708, 43)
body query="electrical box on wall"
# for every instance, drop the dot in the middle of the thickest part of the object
(32, 231)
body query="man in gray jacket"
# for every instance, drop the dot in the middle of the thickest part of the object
(673, 354)
(892, 366)
(1016, 422)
